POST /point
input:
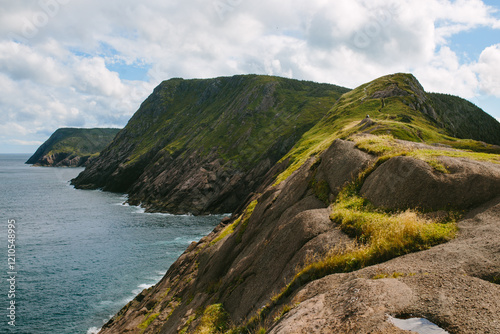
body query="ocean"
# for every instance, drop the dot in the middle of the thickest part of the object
(71, 258)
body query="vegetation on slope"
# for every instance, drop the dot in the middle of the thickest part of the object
(239, 116)
(68, 143)
(463, 119)
(396, 105)
(398, 109)
(217, 133)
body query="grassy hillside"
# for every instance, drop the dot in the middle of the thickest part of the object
(398, 105)
(201, 145)
(69, 143)
(239, 116)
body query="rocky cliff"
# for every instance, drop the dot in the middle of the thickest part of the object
(364, 219)
(202, 146)
(72, 147)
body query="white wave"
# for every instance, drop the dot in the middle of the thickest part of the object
(145, 286)
(126, 300)
(93, 330)
(138, 209)
(156, 278)
(123, 201)
(140, 288)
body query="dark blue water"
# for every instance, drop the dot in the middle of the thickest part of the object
(80, 254)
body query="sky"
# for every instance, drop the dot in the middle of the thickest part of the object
(76, 63)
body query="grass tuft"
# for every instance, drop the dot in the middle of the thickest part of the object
(214, 320)
(149, 319)
(246, 218)
(226, 231)
(393, 275)
(378, 236)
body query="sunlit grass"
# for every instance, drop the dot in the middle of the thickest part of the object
(149, 319)
(214, 320)
(387, 146)
(377, 236)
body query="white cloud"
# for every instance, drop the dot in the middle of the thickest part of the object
(25, 142)
(54, 57)
(488, 69)
(445, 74)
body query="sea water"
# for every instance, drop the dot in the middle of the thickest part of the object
(80, 255)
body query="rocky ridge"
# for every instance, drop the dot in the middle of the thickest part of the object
(360, 227)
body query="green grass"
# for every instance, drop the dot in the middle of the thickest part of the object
(242, 116)
(386, 146)
(378, 236)
(394, 116)
(214, 320)
(226, 231)
(246, 218)
(392, 275)
(149, 319)
(243, 219)
(187, 324)
(284, 310)
(463, 119)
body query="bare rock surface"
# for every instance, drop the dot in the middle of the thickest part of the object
(405, 182)
(448, 285)
(342, 162)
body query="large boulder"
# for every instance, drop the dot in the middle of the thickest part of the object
(405, 182)
(341, 163)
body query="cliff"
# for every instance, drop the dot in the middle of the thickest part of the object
(364, 218)
(202, 146)
(72, 147)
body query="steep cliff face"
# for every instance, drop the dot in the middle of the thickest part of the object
(71, 147)
(318, 247)
(457, 115)
(201, 146)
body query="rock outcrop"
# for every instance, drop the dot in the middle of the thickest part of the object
(288, 225)
(450, 285)
(405, 182)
